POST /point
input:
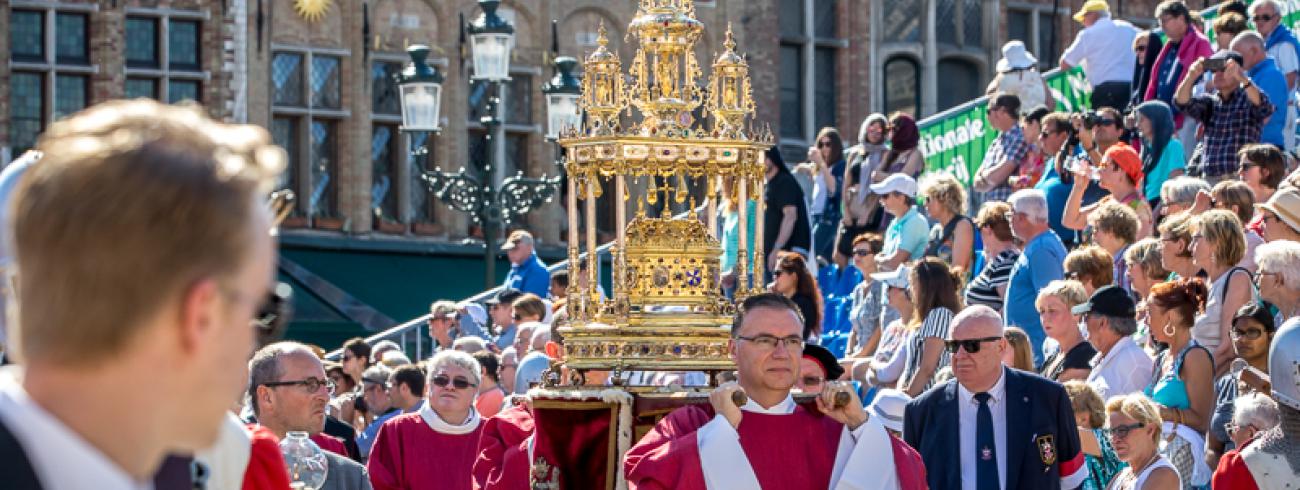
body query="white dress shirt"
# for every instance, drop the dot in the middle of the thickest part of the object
(1105, 51)
(59, 456)
(968, 413)
(1125, 369)
(864, 459)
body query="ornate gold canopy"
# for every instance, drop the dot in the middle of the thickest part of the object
(666, 311)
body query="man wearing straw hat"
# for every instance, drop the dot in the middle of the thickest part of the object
(1104, 49)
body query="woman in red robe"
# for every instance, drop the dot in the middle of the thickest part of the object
(435, 447)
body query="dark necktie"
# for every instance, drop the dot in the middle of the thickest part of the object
(986, 451)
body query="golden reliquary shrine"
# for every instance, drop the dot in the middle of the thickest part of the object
(666, 313)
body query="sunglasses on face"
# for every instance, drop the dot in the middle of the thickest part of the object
(1263, 18)
(1121, 431)
(516, 317)
(971, 346)
(1106, 121)
(823, 144)
(458, 382)
(1141, 48)
(861, 253)
(813, 380)
(779, 272)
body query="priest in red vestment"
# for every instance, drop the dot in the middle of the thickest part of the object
(436, 446)
(504, 451)
(770, 441)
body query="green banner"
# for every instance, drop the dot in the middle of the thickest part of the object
(954, 141)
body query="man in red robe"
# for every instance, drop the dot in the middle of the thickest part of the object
(434, 447)
(770, 441)
(504, 451)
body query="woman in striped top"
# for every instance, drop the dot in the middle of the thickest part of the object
(934, 302)
(1000, 253)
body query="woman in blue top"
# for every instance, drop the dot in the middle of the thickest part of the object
(1182, 384)
(1162, 153)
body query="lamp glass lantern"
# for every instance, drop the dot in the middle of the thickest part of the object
(421, 92)
(562, 94)
(491, 40)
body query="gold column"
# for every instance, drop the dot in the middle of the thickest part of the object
(712, 195)
(593, 259)
(575, 297)
(742, 252)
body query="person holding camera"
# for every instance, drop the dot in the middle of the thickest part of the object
(1233, 115)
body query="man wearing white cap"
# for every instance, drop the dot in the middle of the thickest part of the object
(1104, 49)
(906, 237)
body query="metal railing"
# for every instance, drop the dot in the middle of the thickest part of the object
(409, 332)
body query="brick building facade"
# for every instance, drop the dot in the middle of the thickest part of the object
(321, 84)
(320, 81)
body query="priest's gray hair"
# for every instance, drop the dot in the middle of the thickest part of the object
(265, 366)
(1030, 202)
(455, 358)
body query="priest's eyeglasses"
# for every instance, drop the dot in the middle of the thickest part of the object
(311, 384)
(458, 382)
(769, 342)
(970, 345)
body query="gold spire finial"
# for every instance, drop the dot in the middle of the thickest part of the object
(602, 38)
(730, 42)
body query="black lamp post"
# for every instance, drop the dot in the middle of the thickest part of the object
(474, 191)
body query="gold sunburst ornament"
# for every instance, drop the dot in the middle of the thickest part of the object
(312, 10)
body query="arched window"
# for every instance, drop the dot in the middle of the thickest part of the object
(959, 82)
(902, 87)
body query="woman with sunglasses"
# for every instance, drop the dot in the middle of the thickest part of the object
(1262, 168)
(1120, 174)
(952, 238)
(935, 301)
(862, 211)
(989, 288)
(868, 312)
(886, 365)
(1090, 417)
(793, 280)
(1182, 383)
(1133, 429)
(1252, 333)
(1218, 245)
(436, 446)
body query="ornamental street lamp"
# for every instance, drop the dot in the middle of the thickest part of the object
(474, 191)
(562, 94)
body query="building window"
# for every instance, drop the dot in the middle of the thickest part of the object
(902, 87)
(809, 49)
(50, 68)
(398, 196)
(306, 110)
(959, 82)
(1033, 26)
(162, 55)
(516, 115)
(902, 21)
(959, 22)
(70, 46)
